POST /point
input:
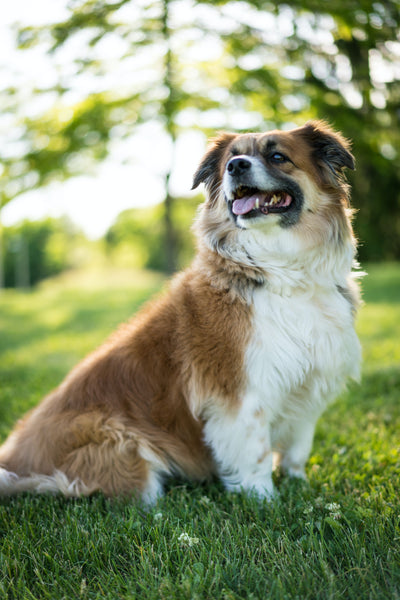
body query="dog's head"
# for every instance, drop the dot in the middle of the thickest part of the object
(279, 180)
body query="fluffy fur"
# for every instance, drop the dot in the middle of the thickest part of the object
(232, 367)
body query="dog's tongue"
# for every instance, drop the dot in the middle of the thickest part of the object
(244, 205)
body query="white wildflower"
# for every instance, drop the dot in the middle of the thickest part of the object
(334, 510)
(332, 506)
(185, 540)
(158, 516)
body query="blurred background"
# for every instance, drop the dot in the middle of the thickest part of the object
(106, 107)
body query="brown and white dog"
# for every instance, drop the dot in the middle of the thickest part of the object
(238, 360)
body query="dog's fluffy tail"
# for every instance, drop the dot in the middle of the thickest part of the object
(11, 484)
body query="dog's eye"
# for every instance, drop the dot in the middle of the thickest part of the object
(278, 157)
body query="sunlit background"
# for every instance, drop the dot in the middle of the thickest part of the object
(133, 173)
(106, 107)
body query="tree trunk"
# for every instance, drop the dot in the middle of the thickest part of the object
(2, 275)
(169, 110)
(22, 270)
(170, 235)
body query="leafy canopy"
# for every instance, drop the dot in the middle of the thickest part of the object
(211, 65)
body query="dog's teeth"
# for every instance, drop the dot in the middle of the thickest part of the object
(276, 198)
(257, 202)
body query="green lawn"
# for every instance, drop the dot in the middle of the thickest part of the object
(336, 537)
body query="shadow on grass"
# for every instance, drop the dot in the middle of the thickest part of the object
(374, 402)
(380, 390)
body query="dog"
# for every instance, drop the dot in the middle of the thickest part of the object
(226, 374)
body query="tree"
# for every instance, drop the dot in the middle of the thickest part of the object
(342, 62)
(136, 237)
(62, 146)
(36, 250)
(222, 64)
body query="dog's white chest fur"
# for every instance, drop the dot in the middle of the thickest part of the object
(302, 349)
(302, 346)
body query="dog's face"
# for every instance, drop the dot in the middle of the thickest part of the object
(278, 180)
(258, 181)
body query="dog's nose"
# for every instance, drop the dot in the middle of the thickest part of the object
(237, 165)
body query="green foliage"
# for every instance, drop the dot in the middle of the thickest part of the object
(137, 238)
(275, 65)
(335, 537)
(34, 250)
(338, 61)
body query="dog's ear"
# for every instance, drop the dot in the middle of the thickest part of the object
(209, 166)
(331, 151)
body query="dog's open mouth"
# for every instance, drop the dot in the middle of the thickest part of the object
(248, 200)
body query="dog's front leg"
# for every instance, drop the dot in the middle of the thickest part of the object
(296, 443)
(241, 445)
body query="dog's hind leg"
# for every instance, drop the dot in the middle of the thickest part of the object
(79, 455)
(115, 467)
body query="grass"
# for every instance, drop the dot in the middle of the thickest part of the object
(337, 536)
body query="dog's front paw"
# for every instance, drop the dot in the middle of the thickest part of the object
(297, 473)
(294, 470)
(269, 493)
(261, 489)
